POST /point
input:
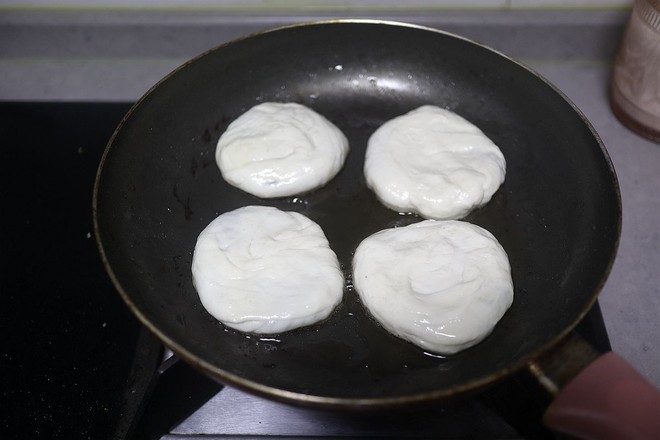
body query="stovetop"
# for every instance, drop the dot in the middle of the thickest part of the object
(68, 338)
(75, 362)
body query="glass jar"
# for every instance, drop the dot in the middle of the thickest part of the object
(635, 93)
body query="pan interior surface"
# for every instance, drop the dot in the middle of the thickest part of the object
(557, 214)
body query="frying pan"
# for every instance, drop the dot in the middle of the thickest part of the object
(558, 214)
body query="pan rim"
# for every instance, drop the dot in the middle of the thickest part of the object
(350, 403)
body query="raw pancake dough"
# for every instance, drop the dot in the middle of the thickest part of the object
(442, 285)
(280, 149)
(433, 162)
(258, 269)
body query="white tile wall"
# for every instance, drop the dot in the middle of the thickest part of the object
(316, 5)
(569, 3)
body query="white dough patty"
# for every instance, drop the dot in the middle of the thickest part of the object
(280, 149)
(262, 270)
(442, 285)
(433, 162)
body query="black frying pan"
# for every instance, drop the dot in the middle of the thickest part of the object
(557, 215)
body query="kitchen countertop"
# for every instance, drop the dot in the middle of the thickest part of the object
(117, 55)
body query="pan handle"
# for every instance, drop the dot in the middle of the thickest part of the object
(596, 396)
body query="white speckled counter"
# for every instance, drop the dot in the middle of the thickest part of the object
(118, 55)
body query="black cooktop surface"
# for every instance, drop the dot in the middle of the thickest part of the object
(74, 359)
(69, 340)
